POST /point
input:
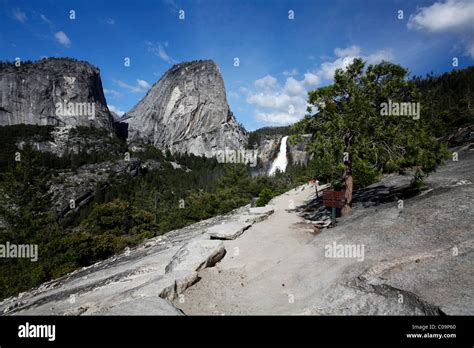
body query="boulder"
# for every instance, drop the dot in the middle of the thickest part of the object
(252, 219)
(184, 280)
(169, 286)
(196, 255)
(267, 210)
(229, 230)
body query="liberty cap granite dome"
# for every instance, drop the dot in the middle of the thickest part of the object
(187, 111)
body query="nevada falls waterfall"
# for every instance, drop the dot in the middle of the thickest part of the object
(281, 161)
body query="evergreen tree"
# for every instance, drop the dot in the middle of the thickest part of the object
(25, 197)
(350, 134)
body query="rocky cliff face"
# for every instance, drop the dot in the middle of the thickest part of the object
(268, 151)
(270, 145)
(298, 153)
(187, 111)
(81, 185)
(53, 91)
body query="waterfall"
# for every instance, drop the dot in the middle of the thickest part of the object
(281, 161)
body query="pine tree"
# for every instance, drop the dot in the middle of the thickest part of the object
(351, 134)
(25, 197)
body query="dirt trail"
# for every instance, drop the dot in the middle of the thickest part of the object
(265, 270)
(418, 259)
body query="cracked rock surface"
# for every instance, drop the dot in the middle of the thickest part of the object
(29, 94)
(141, 281)
(187, 111)
(418, 260)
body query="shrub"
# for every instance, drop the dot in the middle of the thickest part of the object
(264, 197)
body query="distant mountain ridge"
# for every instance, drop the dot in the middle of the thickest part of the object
(185, 111)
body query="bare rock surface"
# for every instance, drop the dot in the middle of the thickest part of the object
(196, 255)
(143, 306)
(266, 210)
(187, 111)
(80, 185)
(270, 145)
(29, 94)
(229, 230)
(416, 260)
(68, 139)
(140, 281)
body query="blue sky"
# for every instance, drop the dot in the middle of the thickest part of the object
(280, 59)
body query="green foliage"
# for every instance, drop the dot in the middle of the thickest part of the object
(119, 218)
(365, 174)
(24, 196)
(10, 135)
(447, 99)
(97, 145)
(127, 211)
(349, 120)
(130, 209)
(264, 197)
(256, 136)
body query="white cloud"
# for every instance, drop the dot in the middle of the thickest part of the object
(345, 56)
(59, 36)
(19, 15)
(158, 49)
(234, 95)
(379, 56)
(128, 87)
(276, 118)
(110, 21)
(244, 90)
(348, 51)
(116, 110)
(281, 105)
(266, 83)
(450, 16)
(277, 100)
(292, 72)
(277, 105)
(311, 79)
(45, 19)
(141, 86)
(62, 38)
(327, 69)
(293, 86)
(297, 87)
(112, 92)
